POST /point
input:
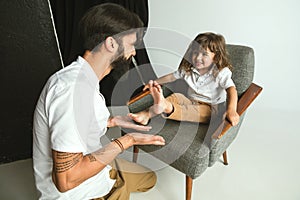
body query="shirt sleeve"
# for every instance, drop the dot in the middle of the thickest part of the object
(224, 78)
(177, 74)
(65, 123)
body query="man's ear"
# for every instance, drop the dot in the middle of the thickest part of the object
(110, 44)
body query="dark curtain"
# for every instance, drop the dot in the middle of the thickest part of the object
(67, 14)
(29, 55)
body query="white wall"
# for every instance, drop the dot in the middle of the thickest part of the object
(271, 27)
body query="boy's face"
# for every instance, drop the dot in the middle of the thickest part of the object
(202, 58)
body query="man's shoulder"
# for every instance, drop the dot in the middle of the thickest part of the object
(61, 81)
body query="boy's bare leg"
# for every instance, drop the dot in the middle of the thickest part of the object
(160, 105)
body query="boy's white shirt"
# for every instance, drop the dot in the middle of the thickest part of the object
(207, 88)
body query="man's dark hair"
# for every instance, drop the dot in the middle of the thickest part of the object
(106, 20)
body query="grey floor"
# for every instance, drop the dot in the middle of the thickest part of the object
(264, 164)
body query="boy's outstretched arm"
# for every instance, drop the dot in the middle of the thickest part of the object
(164, 79)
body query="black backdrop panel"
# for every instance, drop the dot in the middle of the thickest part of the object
(29, 55)
(67, 14)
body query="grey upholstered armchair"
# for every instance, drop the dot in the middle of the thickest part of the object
(191, 147)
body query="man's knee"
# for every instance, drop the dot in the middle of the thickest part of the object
(150, 181)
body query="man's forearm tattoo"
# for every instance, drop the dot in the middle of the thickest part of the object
(91, 157)
(65, 161)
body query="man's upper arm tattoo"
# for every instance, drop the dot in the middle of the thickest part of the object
(65, 161)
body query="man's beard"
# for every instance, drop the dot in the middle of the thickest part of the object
(120, 66)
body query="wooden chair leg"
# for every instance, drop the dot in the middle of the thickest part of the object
(135, 153)
(188, 187)
(225, 158)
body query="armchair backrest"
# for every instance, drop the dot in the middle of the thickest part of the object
(242, 60)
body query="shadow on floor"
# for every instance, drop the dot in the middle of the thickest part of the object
(17, 181)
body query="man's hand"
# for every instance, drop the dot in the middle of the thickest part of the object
(131, 139)
(126, 122)
(145, 139)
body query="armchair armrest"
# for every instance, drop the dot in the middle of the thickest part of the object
(243, 103)
(138, 97)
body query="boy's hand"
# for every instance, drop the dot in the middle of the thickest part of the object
(233, 117)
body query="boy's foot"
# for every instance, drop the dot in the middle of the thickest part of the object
(141, 117)
(160, 103)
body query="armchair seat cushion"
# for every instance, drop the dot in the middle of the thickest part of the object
(185, 149)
